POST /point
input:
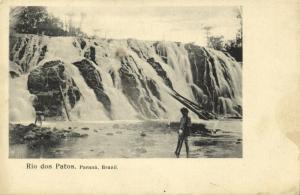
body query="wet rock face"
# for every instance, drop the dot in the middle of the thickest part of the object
(160, 71)
(161, 51)
(141, 98)
(198, 61)
(82, 44)
(153, 88)
(93, 79)
(19, 51)
(46, 82)
(216, 95)
(14, 70)
(27, 51)
(140, 48)
(90, 54)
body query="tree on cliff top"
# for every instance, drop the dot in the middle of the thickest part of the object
(37, 20)
(234, 47)
(216, 42)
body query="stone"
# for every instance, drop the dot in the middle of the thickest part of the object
(45, 83)
(93, 79)
(84, 135)
(74, 134)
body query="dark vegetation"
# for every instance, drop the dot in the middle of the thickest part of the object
(37, 20)
(234, 47)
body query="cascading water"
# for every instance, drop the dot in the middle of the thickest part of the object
(20, 100)
(177, 59)
(88, 108)
(129, 79)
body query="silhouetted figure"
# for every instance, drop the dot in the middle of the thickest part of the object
(39, 111)
(184, 132)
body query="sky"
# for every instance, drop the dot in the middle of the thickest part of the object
(183, 24)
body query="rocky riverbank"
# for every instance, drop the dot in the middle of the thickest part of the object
(34, 136)
(124, 139)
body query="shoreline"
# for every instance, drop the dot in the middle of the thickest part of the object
(126, 139)
(126, 121)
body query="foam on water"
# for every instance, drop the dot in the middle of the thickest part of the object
(88, 108)
(20, 100)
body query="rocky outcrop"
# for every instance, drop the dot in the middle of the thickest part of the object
(89, 51)
(93, 79)
(139, 89)
(90, 54)
(27, 50)
(213, 77)
(160, 71)
(48, 82)
(35, 136)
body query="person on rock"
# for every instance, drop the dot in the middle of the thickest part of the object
(184, 132)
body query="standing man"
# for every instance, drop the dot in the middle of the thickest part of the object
(184, 132)
(39, 111)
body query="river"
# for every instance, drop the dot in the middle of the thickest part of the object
(137, 139)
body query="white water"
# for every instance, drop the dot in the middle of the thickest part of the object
(178, 70)
(88, 108)
(121, 109)
(20, 100)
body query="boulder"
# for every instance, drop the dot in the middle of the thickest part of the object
(46, 81)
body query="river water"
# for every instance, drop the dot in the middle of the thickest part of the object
(137, 139)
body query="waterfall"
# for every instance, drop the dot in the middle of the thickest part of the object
(129, 79)
(20, 100)
(177, 59)
(87, 108)
(121, 109)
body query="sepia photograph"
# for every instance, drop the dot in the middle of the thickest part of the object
(149, 97)
(157, 82)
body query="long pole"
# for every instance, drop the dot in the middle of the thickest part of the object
(64, 102)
